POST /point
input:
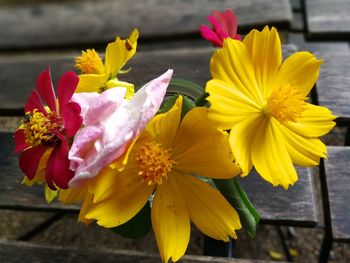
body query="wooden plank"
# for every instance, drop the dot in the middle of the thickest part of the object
(338, 183)
(328, 19)
(296, 5)
(18, 74)
(43, 25)
(276, 207)
(297, 23)
(17, 252)
(296, 206)
(320, 48)
(333, 85)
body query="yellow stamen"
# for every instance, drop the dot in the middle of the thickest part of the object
(154, 162)
(285, 103)
(39, 128)
(89, 62)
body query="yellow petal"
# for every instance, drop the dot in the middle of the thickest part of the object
(241, 141)
(265, 49)
(83, 210)
(91, 82)
(130, 91)
(303, 151)
(50, 194)
(208, 209)
(233, 65)
(124, 198)
(119, 52)
(170, 221)
(201, 148)
(300, 69)
(228, 105)
(72, 195)
(270, 156)
(315, 121)
(163, 127)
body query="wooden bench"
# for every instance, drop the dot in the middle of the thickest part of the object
(35, 36)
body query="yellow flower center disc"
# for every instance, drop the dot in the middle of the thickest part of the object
(154, 162)
(285, 103)
(89, 62)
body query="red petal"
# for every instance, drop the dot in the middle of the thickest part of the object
(210, 35)
(45, 89)
(57, 168)
(66, 87)
(29, 160)
(231, 22)
(71, 118)
(20, 141)
(34, 103)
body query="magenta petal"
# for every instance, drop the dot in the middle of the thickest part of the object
(34, 103)
(210, 35)
(66, 87)
(45, 89)
(57, 168)
(20, 141)
(29, 160)
(231, 22)
(220, 29)
(71, 118)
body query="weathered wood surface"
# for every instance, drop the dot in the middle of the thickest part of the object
(296, 5)
(338, 183)
(333, 85)
(18, 74)
(297, 206)
(75, 23)
(293, 207)
(297, 23)
(328, 19)
(16, 252)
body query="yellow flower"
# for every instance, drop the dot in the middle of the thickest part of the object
(96, 76)
(263, 102)
(164, 161)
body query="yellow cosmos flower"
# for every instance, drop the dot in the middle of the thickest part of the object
(263, 101)
(164, 161)
(97, 76)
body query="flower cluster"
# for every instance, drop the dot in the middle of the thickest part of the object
(100, 143)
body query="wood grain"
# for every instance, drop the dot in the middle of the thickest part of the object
(296, 206)
(328, 19)
(76, 23)
(333, 85)
(338, 183)
(18, 74)
(293, 207)
(15, 252)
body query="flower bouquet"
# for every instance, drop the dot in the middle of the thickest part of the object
(135, 162)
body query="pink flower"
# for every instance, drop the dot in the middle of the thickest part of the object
(111, 123)
(224, 26)
(46, 128)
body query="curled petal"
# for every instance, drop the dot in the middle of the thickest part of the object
(66, 87)
(45, 89)
(29, 160)
(84, 99)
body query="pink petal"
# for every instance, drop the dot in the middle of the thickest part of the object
(219, 19)
(33, 103)
(66, 86)
(20, 141)
(83, 145)
(84, 99)
(210, 35)
(45, 89)
(220, 30)
(231, 22)
(72, 120)
(57, 168)
(104, 104)
(30, 158)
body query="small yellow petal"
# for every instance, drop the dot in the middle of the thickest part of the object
(72, 195)
(91, 83)
(130, 91)
(50, 194)
(84, 208)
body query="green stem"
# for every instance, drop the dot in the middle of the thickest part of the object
(201, 101)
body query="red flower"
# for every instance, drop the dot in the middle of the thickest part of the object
(224, 26)
(47, 128)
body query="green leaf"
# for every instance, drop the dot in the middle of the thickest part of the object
(187, 104)
(235, 195)
(138, 226)
(167, 104)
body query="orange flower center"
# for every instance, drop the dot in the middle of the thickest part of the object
(39, 128)
(89, 62)
(154, 162)
(285, 103)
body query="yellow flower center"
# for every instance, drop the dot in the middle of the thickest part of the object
(154, 162)
(39, 128)
(285, 103)
(89, 62)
